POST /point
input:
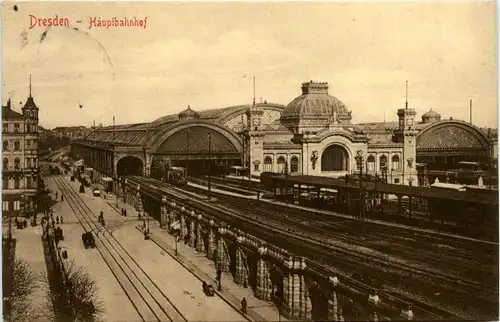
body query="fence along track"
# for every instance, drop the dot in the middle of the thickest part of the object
(148, 299)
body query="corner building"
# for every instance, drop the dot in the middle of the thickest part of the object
(312, 135)
(20, 172)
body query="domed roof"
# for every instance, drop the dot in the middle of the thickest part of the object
(314, 102)
(431, 116)
(188, 114)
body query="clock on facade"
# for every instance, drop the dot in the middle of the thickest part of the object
(409, 122)
(256, 121)
(401, 122)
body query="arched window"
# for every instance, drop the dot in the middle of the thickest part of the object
(294, 165)
(268, 164)
(17, 163)
(17, 146)
(5, 163)
(383, 162)
(370, 162)
(6, 145)
(395, 163)
(281, 164)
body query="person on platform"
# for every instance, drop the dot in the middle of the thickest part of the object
(62, 197)
(244, 306)
(56, 195)
(61, 220)
(57, 220)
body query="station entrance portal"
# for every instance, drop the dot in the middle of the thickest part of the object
(129, 166)
(199, 149)
(334, 158)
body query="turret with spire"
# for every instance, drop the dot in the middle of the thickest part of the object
(30, 110)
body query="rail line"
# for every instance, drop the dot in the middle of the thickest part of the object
(431, 275)
(147, 298)
(276, 232)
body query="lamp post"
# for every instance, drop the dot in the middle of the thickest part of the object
(359, 159)
(124, 194)
(392, 171)
(209, 160)
(117, 190)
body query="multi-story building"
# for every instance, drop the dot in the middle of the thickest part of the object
(20, 158)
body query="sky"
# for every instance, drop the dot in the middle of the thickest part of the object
(206, 54)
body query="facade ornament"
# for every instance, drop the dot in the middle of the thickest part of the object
(410, 162)
(314, 159)
(334, 119)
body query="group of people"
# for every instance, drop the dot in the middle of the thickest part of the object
(21, 224)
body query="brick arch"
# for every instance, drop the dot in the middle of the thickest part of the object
(451, 135)
(173, 139)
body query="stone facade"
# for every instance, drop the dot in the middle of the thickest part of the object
(20, 170)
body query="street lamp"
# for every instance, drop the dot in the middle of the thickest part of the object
(117, 190)
(124, 194)
(359, 160)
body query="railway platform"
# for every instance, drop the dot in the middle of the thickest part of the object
(116, 305)
(203, 269)
(183, 290)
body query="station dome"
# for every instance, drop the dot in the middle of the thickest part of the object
(431, 117)
(188, 114)
(314, 106)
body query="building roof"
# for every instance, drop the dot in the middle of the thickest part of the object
(9, 114)
(188, 114)
(30, 103)
(315, 102)
(431, 116)
(451, 135)
(219, 114)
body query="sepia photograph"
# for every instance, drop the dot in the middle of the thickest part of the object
(249, 161)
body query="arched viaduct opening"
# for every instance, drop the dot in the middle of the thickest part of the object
(130, 166)
(198, 148)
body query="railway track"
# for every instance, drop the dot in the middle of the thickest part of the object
(452, 276)
(147, 298)
(325, 254)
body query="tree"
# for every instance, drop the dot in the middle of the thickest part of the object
(82, 292)
(17, 306)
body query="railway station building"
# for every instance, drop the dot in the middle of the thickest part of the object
(313, 135)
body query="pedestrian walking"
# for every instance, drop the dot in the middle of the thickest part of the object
(244, 306)
(57, 220)
(61, 220)
(62, 197)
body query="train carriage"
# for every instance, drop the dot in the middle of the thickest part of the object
(176, 175)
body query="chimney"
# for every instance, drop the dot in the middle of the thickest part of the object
(8, 104)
